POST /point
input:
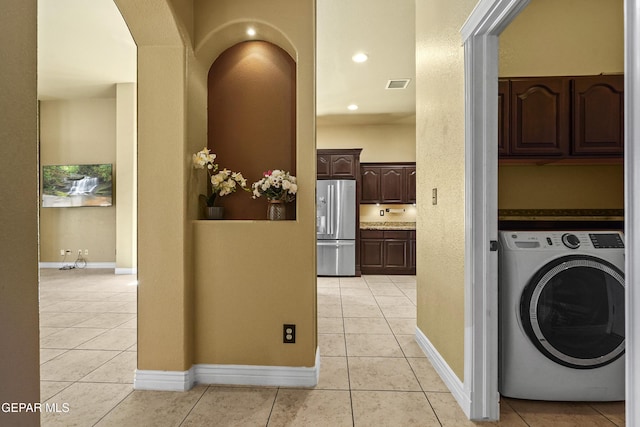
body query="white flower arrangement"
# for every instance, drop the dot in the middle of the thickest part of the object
(276, 185)
(223, 182)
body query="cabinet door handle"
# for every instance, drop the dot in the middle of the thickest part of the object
(493, 245)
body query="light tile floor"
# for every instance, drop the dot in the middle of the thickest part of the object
(372, 371)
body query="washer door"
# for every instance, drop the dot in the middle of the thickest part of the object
(573, 311)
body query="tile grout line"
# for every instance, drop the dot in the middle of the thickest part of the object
(422, 390)
(194, 405)
(346, 354)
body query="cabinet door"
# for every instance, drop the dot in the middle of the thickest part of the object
(392, 185)
(540, 117)
(396, 254)
(371, 253)
(370, 185)
(503, 117)
(323, 166)
(410, 194)
(598, 115)
(343, 166)
(412, 251)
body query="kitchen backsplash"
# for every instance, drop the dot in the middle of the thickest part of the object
(397, 213)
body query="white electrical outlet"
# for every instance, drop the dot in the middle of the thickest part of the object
(86, 251)
(61, 251)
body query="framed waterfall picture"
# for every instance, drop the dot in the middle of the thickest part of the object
(68, 186)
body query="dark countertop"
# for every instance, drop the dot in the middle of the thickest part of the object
(561, 214)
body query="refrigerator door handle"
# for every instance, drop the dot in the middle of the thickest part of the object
(330, 213)
(336, 243)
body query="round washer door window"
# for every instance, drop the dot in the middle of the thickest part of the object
(573, 311)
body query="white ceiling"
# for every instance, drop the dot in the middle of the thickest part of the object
(84, 48)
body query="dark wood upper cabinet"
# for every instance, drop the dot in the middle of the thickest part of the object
(323, 166)
(343, 166)
(410, 173)
(338, 163)
(540, 117)
(558, 118)
(370, 177)
(388, 183)
(392, 185)
(598, 115)
(503, 117)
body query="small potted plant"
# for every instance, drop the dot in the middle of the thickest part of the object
(223, 182)
(279, 187)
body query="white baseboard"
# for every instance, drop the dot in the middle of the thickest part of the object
(280, 376)
(120, 270)
(451, 380)
(58, 265)
(163, 380)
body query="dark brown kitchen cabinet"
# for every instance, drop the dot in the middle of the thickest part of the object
(410, 172)
(396, 251)
(560, 118)
(388, 183)
(338, 163)
(393, 184)
(503, 117)
(371, 249)
(387, 252)
(539, 117)
(598, 115)
(370, 178)
(412, 250)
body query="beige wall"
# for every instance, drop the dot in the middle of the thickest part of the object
(164, 289)
(563, 38)
(440, 158)
(78, 132)
(379, 143)
(559, 38)
(19, 352)
(561, 187)
(196, 277)
(126, 179)
(242, 298)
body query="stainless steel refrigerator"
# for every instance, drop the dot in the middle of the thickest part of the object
(336, 227)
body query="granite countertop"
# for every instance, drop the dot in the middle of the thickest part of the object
(388, 225)
(561, 214)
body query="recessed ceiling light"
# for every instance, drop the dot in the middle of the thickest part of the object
(251, 32)
(360, 57)
(352, 107)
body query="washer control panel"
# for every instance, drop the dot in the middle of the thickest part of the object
(554, 240)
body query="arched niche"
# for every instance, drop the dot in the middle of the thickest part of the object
(251, 113)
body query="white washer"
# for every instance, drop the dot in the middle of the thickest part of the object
(562, 321)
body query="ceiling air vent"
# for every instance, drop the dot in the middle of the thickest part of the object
(398, 83)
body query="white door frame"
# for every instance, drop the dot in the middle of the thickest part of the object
(632, 208)
(480, 36)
